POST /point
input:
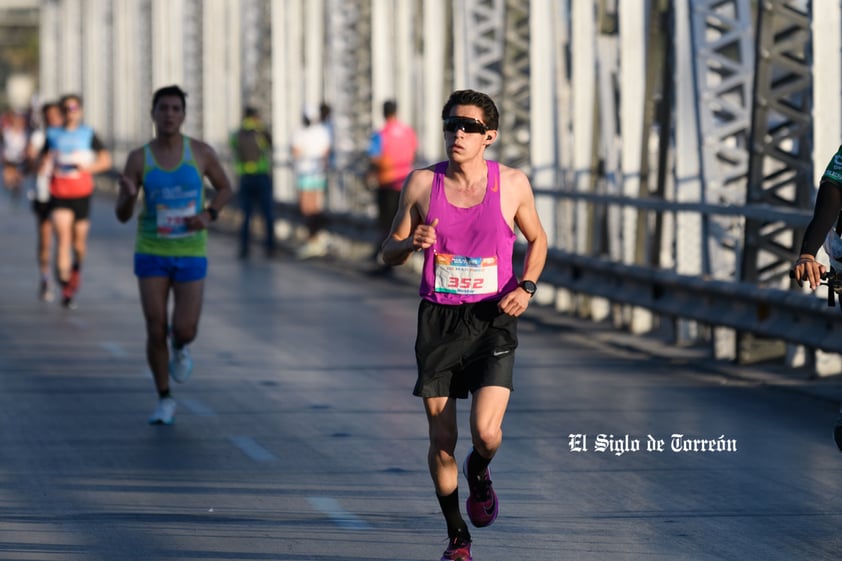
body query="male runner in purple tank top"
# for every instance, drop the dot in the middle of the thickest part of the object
(462, 214)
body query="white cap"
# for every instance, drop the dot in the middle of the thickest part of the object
(309, 111)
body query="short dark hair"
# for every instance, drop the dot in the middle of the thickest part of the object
(167, 91)
(324, 111)
(67, 97)
(251, 112)
(46, 106)
(390, 108)
(477, 99)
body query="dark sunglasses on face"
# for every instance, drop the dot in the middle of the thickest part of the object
(471, 126)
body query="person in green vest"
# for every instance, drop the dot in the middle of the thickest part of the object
(251, 147)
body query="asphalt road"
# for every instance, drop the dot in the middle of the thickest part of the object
(297, 438)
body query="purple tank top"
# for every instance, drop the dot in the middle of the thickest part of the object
(471, 260)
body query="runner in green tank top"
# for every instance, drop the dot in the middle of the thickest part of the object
(171, 195)
(170, 252)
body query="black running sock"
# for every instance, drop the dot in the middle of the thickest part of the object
(450, 508)
(476, 464)
(164, 393)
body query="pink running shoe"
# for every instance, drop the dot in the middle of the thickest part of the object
(482, 503)
(68, 292)
(458, 549)
(75, 281)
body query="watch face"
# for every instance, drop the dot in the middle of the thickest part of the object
(529, 286)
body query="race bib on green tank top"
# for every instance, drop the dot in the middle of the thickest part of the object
(175, 205)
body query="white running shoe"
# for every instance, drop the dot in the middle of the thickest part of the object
(313, 248)
(164, 413)
(181, 365)
(45, 293)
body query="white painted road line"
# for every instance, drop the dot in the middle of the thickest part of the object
(252, 449)
(115, 349)
(339, 515)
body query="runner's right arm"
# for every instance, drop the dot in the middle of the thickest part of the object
(825, 213)
(409, 233)
(129, 183)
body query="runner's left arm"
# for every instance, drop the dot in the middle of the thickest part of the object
(526, 218)
(102, 162)
(215, 173)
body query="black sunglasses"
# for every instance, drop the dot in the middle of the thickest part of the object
(453, 124)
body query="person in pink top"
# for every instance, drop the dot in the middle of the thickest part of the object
(391, 153)
(462, 214)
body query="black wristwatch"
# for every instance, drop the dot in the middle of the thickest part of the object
(529, 286)
(214, 214)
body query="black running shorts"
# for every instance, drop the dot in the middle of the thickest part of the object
(81, 206)
(42, 210)
(462, 348)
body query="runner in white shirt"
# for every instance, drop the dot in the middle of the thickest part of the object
(310, 154)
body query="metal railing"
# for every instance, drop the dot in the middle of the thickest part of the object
(789, 315)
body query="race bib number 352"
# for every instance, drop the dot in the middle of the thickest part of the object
(457, 274)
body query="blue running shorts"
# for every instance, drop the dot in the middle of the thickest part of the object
(178, 269)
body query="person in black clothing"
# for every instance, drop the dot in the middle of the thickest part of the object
(824, 229)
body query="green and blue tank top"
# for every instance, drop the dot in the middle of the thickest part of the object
(169, 197)
(833, 171)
